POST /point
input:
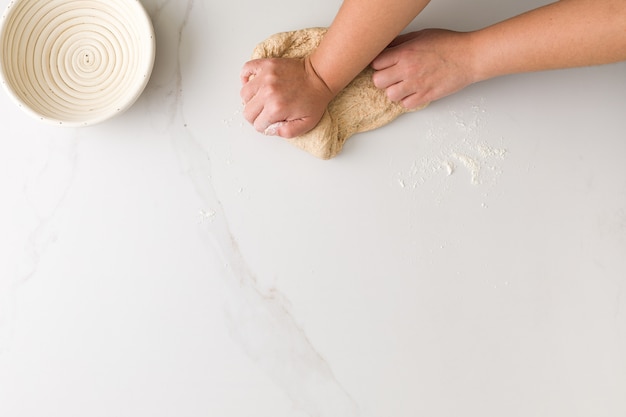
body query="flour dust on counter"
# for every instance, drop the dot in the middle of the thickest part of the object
(457, 143)
(236, 117)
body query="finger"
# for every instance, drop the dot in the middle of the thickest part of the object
(385, 78)
(252, 110)
(248, 92)
(414, 101)
(267, 123)
(289, 129)
(398, 91)
(249, 70)
(272, 130)
(384, 60)
(294, 128)
(403, 38)
(261, 124)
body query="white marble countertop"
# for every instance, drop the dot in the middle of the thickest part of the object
(466, 260)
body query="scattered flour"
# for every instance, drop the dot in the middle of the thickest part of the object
(207, 215)
(472, 165)
(236, 117)
(456, 141)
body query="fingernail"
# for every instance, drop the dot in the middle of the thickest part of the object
(272, 129)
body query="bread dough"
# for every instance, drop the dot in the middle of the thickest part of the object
(357, 108)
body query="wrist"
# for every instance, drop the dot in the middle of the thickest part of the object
(478, 57)
(319, 81)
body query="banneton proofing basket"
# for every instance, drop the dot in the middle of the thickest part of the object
(75, 62)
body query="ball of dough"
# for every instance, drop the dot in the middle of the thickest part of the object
(357, 108)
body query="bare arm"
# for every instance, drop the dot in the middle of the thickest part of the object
(288, 97)
(360, 31)
(427, 65)
(568, 33)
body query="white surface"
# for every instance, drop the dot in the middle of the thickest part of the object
(172, 261)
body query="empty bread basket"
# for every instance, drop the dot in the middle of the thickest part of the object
(75, 62)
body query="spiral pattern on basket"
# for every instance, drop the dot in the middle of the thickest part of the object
(77, 61)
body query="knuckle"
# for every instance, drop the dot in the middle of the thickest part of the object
(393, 95)
(376, 80)
(248, 116)
(259, 127)
(288, 132)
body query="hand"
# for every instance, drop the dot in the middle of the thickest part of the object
(424, 66)
(283, 96)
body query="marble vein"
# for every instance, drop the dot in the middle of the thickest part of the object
(260, 323)
(44, 194)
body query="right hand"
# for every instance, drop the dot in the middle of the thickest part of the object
(424, 66)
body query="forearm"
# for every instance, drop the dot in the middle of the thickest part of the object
(360, 31)
(568, 33)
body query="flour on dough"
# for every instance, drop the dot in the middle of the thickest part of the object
(358, 108)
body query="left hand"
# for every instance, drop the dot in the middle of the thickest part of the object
(424, 66)
(283, 96)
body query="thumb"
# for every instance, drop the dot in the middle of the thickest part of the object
(297, 127)
(290, 128)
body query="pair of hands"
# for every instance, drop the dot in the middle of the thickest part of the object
(285, 97)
